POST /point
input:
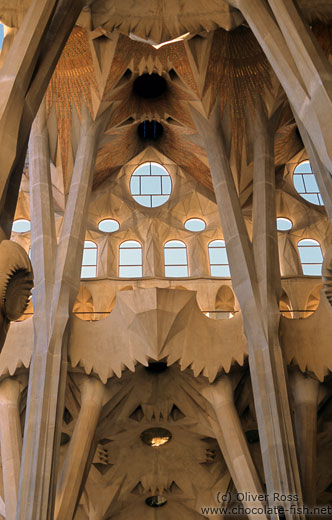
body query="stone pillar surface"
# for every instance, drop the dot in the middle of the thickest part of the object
(10, 442)
(74, 467)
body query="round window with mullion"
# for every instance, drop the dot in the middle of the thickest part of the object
(151, 185)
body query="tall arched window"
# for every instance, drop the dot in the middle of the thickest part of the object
(176, 261)
(311, 256)
(130, 259)
(218, 259)
(89, 260)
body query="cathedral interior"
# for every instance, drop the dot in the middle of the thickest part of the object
(166, 259)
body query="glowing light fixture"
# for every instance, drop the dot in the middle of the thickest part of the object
(156, 437)
(156, 501)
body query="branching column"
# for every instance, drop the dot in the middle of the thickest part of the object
(75, 465)
(57, 285)
(11, 442)
(24, 77)
(258, 298)
(299, 64)
(233, 444)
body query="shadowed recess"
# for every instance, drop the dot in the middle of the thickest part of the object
(150, 130)
(156, 501)
(156, 367)
(150, 86)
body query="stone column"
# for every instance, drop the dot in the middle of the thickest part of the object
(256, 283)
(75, 464)
(108, 254)
(198, 258)
(233, 444)
(153, 253)
(24, 77)
(56, 289)
(10, 441)
(305, 391)
(299, 63)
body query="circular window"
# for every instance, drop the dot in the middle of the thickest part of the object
(151, 185)
(284, 224)
(108, 225)
(21, 225)
(195, 224)
(156, 501)
(156, 437)
(305, 183)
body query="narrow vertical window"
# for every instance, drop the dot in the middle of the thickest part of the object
(311, 256)
(89, 261)
(218, 259)
(176, 261)
(130, 260)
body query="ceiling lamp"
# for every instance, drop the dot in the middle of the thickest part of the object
(156, 501)
(156, 437)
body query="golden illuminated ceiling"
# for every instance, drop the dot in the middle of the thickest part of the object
(100, 68)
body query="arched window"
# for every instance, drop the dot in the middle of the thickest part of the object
(311, 256)
(130, 259)
(218, 259)
(89, 260)
(305, 183)
(176, 261)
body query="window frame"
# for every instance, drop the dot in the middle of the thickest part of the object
(138, 248)
(138, 197)
(91, 248)
(178, 248)
(316, 245)
(212, 264)
(306, 194)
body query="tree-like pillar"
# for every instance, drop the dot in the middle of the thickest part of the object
(24, 77)
(299, 63)
(10, 441)
(233, 444)
(57, 285)
(77, 456)
(305, 391)
(256, 283)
